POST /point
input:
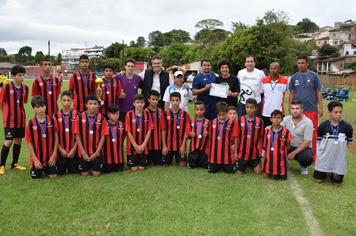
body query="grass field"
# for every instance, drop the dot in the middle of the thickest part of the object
(172, 201)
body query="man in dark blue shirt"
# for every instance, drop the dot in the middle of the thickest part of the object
(201, 87)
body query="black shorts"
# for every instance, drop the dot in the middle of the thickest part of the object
(197, 159)
(155, 156)
(37, 173)
(108, 168)
(95, 165)
(70, 164)
(167, 160)
(242, 165)
(137, 160)
(11, 133)
(334, 178)
(214, 168)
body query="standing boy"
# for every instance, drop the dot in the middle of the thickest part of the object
(13, 96)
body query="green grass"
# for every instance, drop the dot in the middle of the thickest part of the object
(170, 201)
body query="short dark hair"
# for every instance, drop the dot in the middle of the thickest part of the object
(91, 97)
(38, 101)
(225, 63)
(206, 60)
(83, 57)
(47, 58)
(154, 93)
(251, 101)
(67, 93)
(139, 97)
(301, 57)
(156, 58)
(198, 103)
(113, 108)
(175, 95)
(17, 70)
(231, 108)
(130, 60)
(334, 104)
(297, 102)
(250, 55)
(221, 107)
(109, 66)
(276, 112)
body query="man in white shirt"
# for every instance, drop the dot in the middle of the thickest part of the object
(185, 92)
(250, 85)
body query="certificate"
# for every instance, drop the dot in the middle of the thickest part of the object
(219, 90)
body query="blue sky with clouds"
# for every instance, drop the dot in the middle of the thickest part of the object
(76, 23)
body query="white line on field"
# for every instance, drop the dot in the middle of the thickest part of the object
(312, 222)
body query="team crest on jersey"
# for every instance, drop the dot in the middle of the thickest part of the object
(59, 119)
(133, 121)
(34, 127)
(12, 91)
(84, 120)
(41, 84)
(296, 83)
(242, 124)
(78, 78)
(49, 125)
(214, 126)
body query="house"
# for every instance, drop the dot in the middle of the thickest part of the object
(334, 65)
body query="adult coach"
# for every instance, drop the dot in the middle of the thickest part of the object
(154, 79)
(274, 87)
(301, 128)
(201, 87)
(305, 87)
(250, 85)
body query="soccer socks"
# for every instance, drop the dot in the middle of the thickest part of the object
(4, 153)
(15, 153)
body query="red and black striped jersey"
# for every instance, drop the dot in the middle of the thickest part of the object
(251, 138)
(275, 145)
(199, 141)
(49, 89)
(221, 138)
(138, 126)
(178, 127)
(66, 123)
(81, 85)
(90, 130)
(42, 138)
(113, 151)
(159, 121)
(13, 100)
(111, 91)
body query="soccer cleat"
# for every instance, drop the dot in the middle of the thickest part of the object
(2, 170)
(18, 167)
(304, 170)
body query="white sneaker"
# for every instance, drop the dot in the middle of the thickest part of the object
(304, 170)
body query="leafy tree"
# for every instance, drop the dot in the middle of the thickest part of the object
(139, 53)
(114, 50)
(23, 55)
(3, 52)
(328, 51)
(209, 24)
(307, 26)
(39, 56)
(176, 36)
(237, 26)
(132, 43)
(141, 42)
(156, 39)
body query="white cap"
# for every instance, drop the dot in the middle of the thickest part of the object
(178, 72)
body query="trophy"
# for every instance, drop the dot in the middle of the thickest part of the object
(99, 91)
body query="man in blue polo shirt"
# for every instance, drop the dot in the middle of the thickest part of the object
(201, 87)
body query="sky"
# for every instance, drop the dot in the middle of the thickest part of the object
(79, 23)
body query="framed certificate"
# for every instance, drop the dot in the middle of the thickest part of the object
(219, 90)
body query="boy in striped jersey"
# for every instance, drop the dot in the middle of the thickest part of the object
(13, 96)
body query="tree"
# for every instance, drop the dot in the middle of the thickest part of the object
(58, 59)
(3, 52)
(139, 53)
(156, 39)
(173, 54)
(23, 55)
(307, 26)
(39, 56)
(114, 50)
(237, 26)
(141, 42)
(328, 51)
(209, 24)
(211, 37)
(176, 36)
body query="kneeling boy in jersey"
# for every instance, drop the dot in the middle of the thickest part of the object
(198, 156)
(251, 138)
(67, 147)
(138, 126)
(275, 148)
(176, 133)
(159, 121)
(113, 152)
(42, 141)
(13, 96)
(223, 133)
(334, 136)
(90, 130)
